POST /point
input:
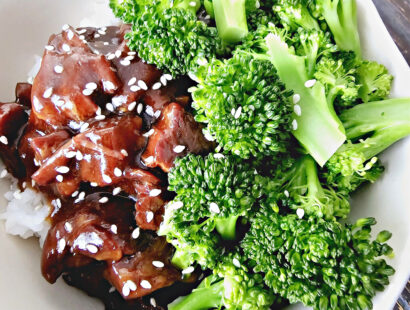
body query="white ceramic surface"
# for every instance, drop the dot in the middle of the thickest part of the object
(25, 26)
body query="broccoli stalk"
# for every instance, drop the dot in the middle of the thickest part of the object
(230, 18)
(315, 124)
(341, 16)
(231, 286)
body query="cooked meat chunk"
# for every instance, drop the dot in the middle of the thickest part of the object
(135, 276)
(45, 146)
(175, 134)
(23, 94)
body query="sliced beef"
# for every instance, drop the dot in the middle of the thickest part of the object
(175, 134)
(136, 276)
(99, 228)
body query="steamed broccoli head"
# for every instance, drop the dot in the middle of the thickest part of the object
(168, 34)
(323, 264)
(375, 81)
(245, 106)
(294, 14)
(231, 286)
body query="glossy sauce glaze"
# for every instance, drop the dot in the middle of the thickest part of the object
(96, 133)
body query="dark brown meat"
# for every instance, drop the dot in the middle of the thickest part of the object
(23, 94)
(98, 228)
(136, 276)
(175, 134)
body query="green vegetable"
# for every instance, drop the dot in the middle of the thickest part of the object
(315, 123)
(245, 106)
(168, 33)
(230, 17)
(375, 81)
(231, 286)
(295, 14)
(323, 264)
(380, 124)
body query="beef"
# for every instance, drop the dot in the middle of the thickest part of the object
(174, 135)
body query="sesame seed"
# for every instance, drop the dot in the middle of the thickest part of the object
(156, 86)
(33, 183)
(124, 152)
(49, 47)
(132, 53)
(310, 83)
(158, 264)
(65, 27)
(81, 196)
(149, 110)
(79, 156)
(168, 77)
(91, 248)
(68, 227)
(153, 302)
(300, 213)
(109, 107)
(219, 156)
(61, 244)
(66, 47)
(117, 172)
(129, 58)
(136, 233)
(48, 92)
(131, 284)
(233, 111)
(74, 194)
(92, 86)
(296, 98)
(114, 229)
(99, 117)
(177, 205)
(157, 114)
(145, 284)
(179, 148)
(70, 34)
(102, 32)
(297, 109)
(286, 193)
(142, 84)
(163, 80)
(111, 290)
(118, 53)
(110, 56)
(208, 17)
(106, 43)
(125, 290)
(82, 31)
(4, 140)
(103, 200)
(59, 178)
(84, 127)
(97, 35)
(295, 124)
(132, 81)
(135, 88)
(139, 108)
(236, 262)
(94, 184)
(82, 38)
(149, 160)
(193, 4)
(132, 106)
(58, 69)
(188, 270)
(238, 113)
(125, 62)
(58, 203)
(150, 216)
(62, 169)
(116, 191)
(3, 173)
(213, 207)
(106, 178)
(149, 133)
(155, 192)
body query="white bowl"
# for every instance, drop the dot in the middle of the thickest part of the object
(24, 30)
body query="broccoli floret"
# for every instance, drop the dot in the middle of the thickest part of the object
(341, 17)
(245, 106)
(315, 123)
(338, 75)
(323, 264)
(300, 188)
(379, 124)
(294, 14)
(212, 193)
(375, 81)
(261, 17)
(168, 33)
(231, 286)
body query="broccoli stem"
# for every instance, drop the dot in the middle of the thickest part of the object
(227, 227)
(188, 5)
(317, 127)
(230, 18)
(341, 16)
(181, 259)
(373, 116)
(202, 298)
(315, 190)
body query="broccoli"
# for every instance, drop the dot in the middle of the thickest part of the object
(245, 106)
(379, 124)
(261, 17)
(294, 14)
(323, 264)
(212, 194)
(300, 188)
(338, 75)
(168, 34)
(315, 123)
(231, 286)
(375, 81)
(341, 17)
